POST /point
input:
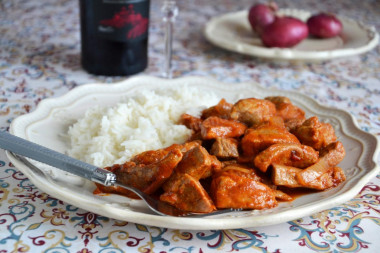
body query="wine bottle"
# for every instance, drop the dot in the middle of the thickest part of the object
(114, 36)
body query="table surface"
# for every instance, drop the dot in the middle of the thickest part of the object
(40, 58)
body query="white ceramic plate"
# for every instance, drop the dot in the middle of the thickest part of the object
(48, 124)
(232, 31)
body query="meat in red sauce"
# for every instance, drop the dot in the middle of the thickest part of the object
(247, 153)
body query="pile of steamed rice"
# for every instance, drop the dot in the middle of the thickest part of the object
(146, 121)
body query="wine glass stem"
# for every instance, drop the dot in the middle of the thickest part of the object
(170, 12)
(168, 49)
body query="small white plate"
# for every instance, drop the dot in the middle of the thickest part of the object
(233, 32)
(48, 125)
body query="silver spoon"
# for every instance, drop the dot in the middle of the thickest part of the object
(21, 148)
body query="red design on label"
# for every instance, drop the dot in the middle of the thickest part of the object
(128, 17)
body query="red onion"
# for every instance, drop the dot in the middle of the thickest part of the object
(261, 15)
(284, 32)
(324, 25)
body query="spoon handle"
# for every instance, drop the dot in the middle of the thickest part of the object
(48, 156)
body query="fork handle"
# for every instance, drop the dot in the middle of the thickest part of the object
(48, 156)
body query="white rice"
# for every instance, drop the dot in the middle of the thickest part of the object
(146, 121)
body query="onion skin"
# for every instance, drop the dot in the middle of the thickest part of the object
(324, 25)
(261, 15)
(284, 32)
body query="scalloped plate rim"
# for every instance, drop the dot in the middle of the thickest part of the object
(46, 106)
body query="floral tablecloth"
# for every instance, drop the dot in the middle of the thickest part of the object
(40, 58)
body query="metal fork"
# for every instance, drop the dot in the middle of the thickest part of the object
(21, 148)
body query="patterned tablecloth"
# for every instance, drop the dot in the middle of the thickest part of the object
(40, 58)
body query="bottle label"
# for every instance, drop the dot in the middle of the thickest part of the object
(122, 20)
